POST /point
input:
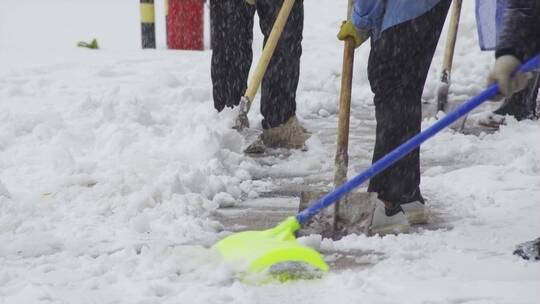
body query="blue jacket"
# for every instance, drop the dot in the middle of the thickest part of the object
(378, 15)
(489, 19)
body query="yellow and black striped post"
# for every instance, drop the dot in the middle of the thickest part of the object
(148, 26)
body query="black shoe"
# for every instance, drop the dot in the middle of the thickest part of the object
(529, 250)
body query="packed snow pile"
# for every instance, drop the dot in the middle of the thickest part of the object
(119, 152)
(113, 162)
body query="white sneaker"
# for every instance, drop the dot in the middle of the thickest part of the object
(487, 119)
(387, 221)
(415, 212)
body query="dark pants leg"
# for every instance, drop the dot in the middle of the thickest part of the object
(522, 105)
(397, 69)
(278, 92)
(232, 36)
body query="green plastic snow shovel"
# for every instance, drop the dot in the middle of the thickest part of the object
(261, 250)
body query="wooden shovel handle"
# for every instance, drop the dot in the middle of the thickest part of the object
(341, 161)
(342, 158)
(269, 48)
(452, 34)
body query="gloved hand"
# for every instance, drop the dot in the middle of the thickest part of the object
(501, 74)
(349, 30)
(250, 2)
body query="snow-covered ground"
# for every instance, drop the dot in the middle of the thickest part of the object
(114, 161)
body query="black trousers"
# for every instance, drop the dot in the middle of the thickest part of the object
(232, 36)
(397, 69)
(523, 104)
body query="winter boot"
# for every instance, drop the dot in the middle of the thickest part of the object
(522, 105)
(529, 250)
(290, 135)
(415, 212)
(387, 220)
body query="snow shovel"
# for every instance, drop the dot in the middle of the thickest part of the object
(259, 251)
(444, 86)
(353, 213)
(242, 120)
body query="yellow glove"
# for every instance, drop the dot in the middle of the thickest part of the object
(349, 30)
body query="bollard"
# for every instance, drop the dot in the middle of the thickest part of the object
(148, 27)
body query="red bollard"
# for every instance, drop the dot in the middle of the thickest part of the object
(185, 24)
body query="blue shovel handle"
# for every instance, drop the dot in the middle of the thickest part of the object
(407, 147)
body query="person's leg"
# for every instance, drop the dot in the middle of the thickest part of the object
(232, 36)
(278, 92)
(522, 105)
(398, 65)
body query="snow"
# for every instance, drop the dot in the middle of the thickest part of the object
(113, 162)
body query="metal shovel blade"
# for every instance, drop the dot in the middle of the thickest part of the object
(354, 216)
(241, 121)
